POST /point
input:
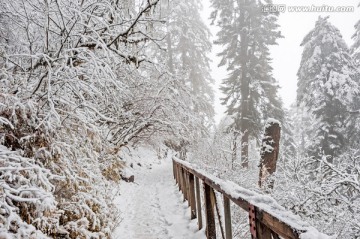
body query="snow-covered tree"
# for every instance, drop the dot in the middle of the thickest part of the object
(327, 86)
(77, 84)
(355, 50)
(250, 90)
(356, 46)
(188, 45)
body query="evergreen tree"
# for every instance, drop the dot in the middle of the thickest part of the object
(355, 49)
(188, 45)
(356, 46)
(250, 90)
(327, 86)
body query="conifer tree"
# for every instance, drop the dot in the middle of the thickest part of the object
(327, 87)
(250, 89)
(355, 50)
(356, 46)
(188, 45)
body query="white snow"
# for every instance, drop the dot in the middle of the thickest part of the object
(272, 121)
(153, 207)
(267, 148)
(313, 234)
(263, 202)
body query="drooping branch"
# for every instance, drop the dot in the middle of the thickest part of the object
(133, 24)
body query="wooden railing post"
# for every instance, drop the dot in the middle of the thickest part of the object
(257, 229)
(181, 181)
(227, 215)
(184, 186)
(174, 171)
(192, 196)
(262, 231)
(198, 203)
(209, 211)
(188, 188)
(177, 175)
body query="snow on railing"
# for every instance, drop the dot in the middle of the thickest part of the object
(267, 218)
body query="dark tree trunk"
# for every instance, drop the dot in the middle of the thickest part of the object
(269, 152)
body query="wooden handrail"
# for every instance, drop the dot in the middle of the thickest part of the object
(267, 218)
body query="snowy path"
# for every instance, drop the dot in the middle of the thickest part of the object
(153, 208)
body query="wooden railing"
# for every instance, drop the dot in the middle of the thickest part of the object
(267, 219)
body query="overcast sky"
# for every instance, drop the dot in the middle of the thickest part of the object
(287, 55)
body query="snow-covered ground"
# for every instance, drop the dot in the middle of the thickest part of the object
(152, 207)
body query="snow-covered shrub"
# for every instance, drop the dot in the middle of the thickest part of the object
(28, 188)
(80, 87)
(74, 97)
(53, 185)
(325, 194)
(216, 156)
(28, 208)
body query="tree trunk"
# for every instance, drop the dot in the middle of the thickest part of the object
(269, 151)
(234, 149)
(245, 149)
(245, 90)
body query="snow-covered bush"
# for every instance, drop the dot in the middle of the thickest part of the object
(50, 186)
(79, 88)
(28, 208)
(325, 194)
